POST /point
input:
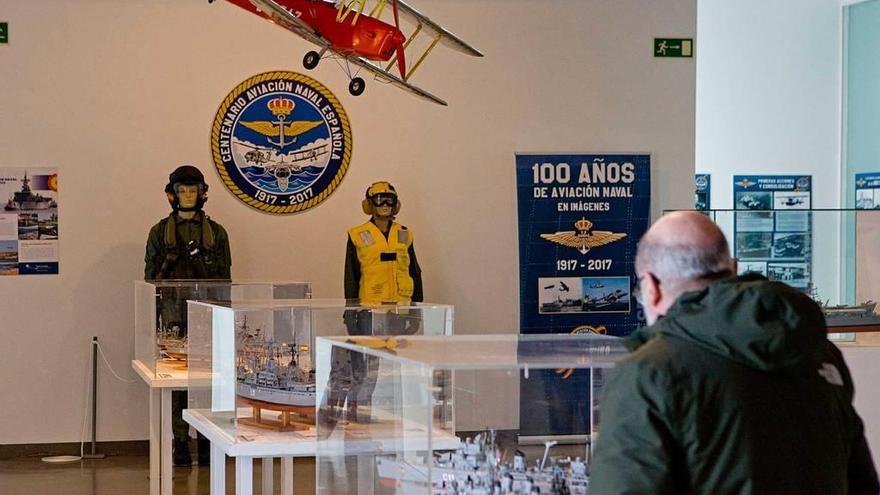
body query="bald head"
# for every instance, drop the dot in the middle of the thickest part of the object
(682, 248)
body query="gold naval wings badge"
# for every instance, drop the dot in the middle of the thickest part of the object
(583, 240)
(281, 108)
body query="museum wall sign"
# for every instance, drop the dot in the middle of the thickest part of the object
(281, 142)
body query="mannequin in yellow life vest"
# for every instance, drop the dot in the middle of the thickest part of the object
(380, 268)
(380, 261)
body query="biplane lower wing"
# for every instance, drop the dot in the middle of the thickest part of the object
(446, 38)
(288, 20)
(393, 79)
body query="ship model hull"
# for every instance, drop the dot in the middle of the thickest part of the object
(301, 396)
(851, 316)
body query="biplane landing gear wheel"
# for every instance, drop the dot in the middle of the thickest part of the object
(356, 86)
(310, 61)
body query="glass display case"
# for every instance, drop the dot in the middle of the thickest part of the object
(160, 315)
(258, 365)
(442, 415)
(830, 254)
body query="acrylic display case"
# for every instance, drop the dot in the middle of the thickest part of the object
(830, 254)
(259, 361)
(443, 415)
(160, 312)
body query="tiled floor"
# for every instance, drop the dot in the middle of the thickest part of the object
(121, 475)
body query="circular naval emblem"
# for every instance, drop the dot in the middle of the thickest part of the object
(281, 142)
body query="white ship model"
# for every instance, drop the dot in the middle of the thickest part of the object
(275, 373)
(847, 315)
(476, 468)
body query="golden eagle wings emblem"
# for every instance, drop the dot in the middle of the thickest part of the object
(582, 239)
(272, 129)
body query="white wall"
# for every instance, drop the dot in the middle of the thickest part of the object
(768, 93)
(116, 94)
(769, 102)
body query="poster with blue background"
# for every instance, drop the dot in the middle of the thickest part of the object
(868, 191)
(773, 233)
(580, 219)
(702, 191)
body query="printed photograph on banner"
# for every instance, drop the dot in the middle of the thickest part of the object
(28, 227)
(48, 226)
(791, 245)
(753, 244)
(794, 274)
(792, 221)
(560, 295)
(8, 227)
(784, 200)
(865, 199)
(752, 267)
(8, 258)
(606, 295)
(753, 200)
(757, 221)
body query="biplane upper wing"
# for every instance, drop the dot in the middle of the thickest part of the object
(289, 21)
(446, 38)
(393, 79)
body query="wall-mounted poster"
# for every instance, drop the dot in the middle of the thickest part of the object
(580, 219)
(773, 235)
(703, 191)
(29, 221)
(868, 191)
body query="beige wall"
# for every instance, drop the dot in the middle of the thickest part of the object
(117, 93)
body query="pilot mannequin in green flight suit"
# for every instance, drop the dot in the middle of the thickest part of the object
(185, 245)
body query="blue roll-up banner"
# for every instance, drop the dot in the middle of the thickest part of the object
(702, 192)
(776, 238)
(868, 191)
(580, 219)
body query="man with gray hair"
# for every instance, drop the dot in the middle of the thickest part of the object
(733, 387)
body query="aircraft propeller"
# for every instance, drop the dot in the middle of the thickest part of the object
(399, 39)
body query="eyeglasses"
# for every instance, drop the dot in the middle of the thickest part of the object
(384, 200)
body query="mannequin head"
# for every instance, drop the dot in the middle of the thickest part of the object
(186, 189)
(380, 201)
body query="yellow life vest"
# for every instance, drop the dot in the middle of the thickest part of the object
(384, 263)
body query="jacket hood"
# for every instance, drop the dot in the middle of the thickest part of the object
(765, 325)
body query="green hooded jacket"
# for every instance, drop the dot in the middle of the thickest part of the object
(735, 391)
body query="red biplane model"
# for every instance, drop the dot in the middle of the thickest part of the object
(359, 39)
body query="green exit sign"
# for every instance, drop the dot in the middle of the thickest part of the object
(673, 47)
(4, 32)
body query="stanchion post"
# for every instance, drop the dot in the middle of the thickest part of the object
(94, 454)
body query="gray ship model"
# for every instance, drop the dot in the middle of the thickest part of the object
(271, 372)
(477, 468)
(27, 200)
(847, 315)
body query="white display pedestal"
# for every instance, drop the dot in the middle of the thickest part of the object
(166, 379)
(251, 442)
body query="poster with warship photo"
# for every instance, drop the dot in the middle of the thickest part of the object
(29, 221)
